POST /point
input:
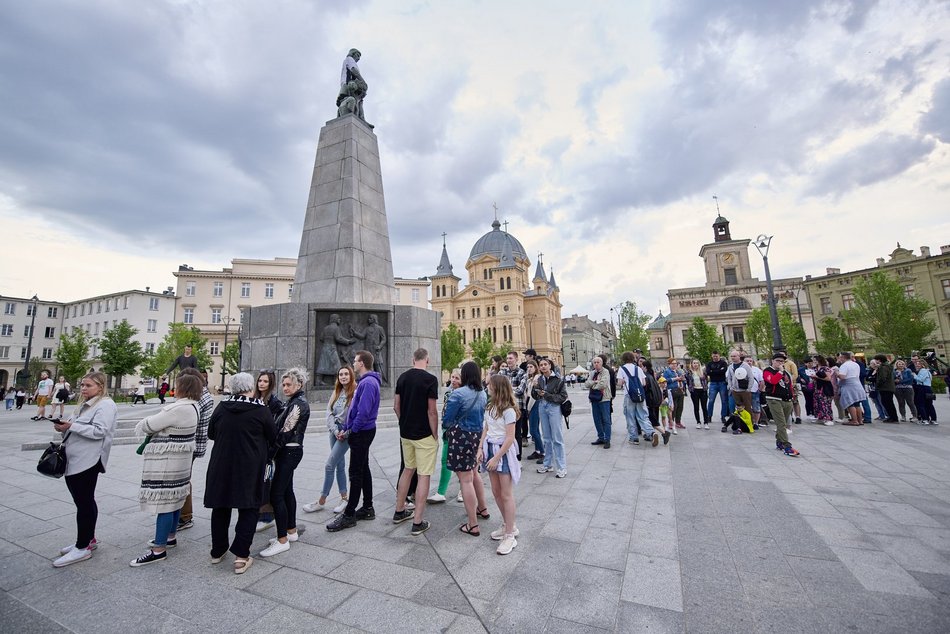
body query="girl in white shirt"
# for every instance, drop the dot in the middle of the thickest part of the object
(499, 456)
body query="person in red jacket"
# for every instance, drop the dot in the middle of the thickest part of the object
(778, 394)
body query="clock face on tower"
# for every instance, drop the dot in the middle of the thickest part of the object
(728, 258)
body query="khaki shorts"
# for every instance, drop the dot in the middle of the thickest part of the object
(420, 455)
(41, 401)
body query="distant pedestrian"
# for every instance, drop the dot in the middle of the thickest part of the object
(445, 475)
(184, 360)
(716, 382)
(42, 393)
(60, 392)
(779, 391)
(463, 420)
(20, 397)
(498, 457)
(139, 393)
(266, 392)
(632, 380)
(924, 394)
(530, 405)
(824, 392)
(850, 390)
(598, 386)
(884, 381)
(10, 398)
(697, 385)
(550, 391)
(163, 390)
(904, 390)
(338, 407)
(675, 384)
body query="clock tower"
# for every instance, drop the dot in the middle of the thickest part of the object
(726, 260)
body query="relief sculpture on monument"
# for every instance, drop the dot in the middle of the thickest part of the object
(341, 335)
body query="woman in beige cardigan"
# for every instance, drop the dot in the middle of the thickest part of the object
(166, 468)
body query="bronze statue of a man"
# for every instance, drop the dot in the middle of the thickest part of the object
(374, 340)
(332, 350)
(353, 87)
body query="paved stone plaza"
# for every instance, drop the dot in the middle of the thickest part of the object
(714, 533)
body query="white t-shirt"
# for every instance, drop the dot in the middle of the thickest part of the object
(755, 378)
(849, 370)
(634, 370)
(44, 387)
(497, 427)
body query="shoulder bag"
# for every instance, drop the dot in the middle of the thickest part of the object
(53, 461)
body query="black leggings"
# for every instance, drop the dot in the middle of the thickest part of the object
(699, 398)
(361, 479)
(282, 496)
(82, 486)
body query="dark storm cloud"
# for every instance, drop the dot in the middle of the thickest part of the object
(137, 116)
(881, 158)
(937, 120)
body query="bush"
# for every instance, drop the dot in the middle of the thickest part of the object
(939, 385)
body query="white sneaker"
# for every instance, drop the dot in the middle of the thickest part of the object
(705, 425)
(313, 508)
(275, 549)
(460, 499)
(435, 498)
(263, 526)
(543, 469)
(675, 433)
(699, 425)
(829, 423)
(291, 537)
(507, 545)
(499, 533)
(561, 473)
(92, 546)
(339, 508)
(73, 556)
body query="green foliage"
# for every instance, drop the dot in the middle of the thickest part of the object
(482, 350)
(231, 358)
(179, 335)
(702, 339)
(73, 355)
(898, 324)
(36, 366)
(120, 353)
(503, 349)
(832, 337)
(453, 350)
(938, 385)
(759, 332)
(632, 334)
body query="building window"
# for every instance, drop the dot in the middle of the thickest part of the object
(115, 322)
(52, 312)
(485, 274)
(240, 316)
(47, 353)
(22, 353)
(153, 303)
(6, 330)
(397, 296)
(730, 276)
(98, 307)
(29, 310)
(909, 290)
(115, 307)
(438, 291)
(83, 311)
(150, 348)
(108, 304)
(269, 290)
(50, 332)
(4, 352)
(97, 329)
(27, 331)
(75, 308)
(10, 309)
(734, 303)
(213, 347)
(190, 289)
(245, 289)
(847, 301)
(290, 290)
(189, 317)
(685, 333)
(125, 302)
(152, 325)
(738, 335)
(825, 305)
(464, 337)
(852, 333)
(415, 296)
(218, 289)
(215, 315)
(659, 343)
(946, 288)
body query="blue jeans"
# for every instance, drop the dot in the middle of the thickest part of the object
(720, 388)
(166, 524)
(866, 406)
(638, 419)
(336, 463)
(9, 404)
(601, 413)
(550, 414)
(534, 428)
(878, 405)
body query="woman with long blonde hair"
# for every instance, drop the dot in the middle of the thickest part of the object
(337, 408)
(88, 441)
(499, 456)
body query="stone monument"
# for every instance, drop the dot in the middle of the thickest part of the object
(342, 299)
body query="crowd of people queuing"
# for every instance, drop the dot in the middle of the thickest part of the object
(485, 423)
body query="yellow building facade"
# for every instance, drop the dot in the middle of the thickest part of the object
(499, 297)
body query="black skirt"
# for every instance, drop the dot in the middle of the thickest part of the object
(463, 447)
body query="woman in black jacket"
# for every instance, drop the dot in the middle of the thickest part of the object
(242, 429)
(291, 426)
(267, 393)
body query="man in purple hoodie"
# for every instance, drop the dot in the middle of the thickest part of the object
(360, 429)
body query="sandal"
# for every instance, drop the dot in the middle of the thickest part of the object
(470, 530)
(484, 514)
(241, 565)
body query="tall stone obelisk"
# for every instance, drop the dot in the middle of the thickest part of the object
(345, 256)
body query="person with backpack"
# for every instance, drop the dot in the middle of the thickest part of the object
(550, 391)
(632, 380)
(738, 378)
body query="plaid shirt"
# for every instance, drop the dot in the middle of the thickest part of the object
(205, 407)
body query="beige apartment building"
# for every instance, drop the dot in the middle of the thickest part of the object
(583, 338)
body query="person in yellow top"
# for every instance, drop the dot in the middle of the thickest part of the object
(741, 421)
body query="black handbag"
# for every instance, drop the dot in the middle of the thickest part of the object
(53, 461)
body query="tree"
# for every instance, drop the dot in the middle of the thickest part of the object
(482, 350)
(119, 352)
(702, 339)
(898, 324)
(832, 337)
(179, 335)
(453, 350)
(231, 358)
(36, 366)
(73, 355)
(632, 334)
(759, 331)
(503, 349)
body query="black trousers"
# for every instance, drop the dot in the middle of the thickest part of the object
(414, 482)
(521, 431)
(699, 398)
(361, 479)
(809, 402)
(243, 531)
(887, 400)
(282, 496)
(82, 486)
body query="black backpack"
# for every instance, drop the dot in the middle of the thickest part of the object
(566, 408)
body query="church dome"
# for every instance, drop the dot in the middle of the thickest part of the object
(493, 243)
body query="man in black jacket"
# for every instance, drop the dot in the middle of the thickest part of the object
(716, 376)
(183, 361)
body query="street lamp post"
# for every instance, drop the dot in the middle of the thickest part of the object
(762, 244)
(227, 326)
(25, 373)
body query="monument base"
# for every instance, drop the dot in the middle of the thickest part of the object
(282, 336)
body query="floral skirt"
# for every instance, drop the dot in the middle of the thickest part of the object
(463, 447)
(823, 410)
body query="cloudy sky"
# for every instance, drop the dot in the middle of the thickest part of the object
(135, 136)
